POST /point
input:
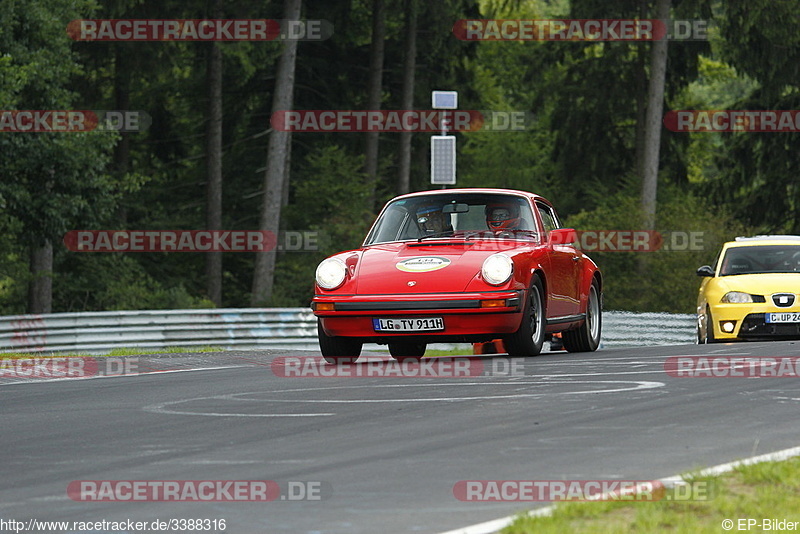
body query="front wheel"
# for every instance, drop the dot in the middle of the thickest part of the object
(407, 351)
(709, 337)
(586, 338)
(529, 338)
(336, 349)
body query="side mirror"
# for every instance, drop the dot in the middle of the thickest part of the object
(705, 270)
(563, 236)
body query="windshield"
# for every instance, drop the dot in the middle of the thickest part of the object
(761, 259)
(465, 215)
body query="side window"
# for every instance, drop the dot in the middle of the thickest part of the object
(548, 217)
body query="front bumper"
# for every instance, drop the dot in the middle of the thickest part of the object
(750, 322)
(468, 317)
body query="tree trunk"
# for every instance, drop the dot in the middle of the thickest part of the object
(407, 98)
(214, 163)
(653, 121)
(122, 94)
(641, 100)
(277, 162)
(374, 96)
(40, 288)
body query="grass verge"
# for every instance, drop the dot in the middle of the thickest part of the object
(113, 353)
(750, 497)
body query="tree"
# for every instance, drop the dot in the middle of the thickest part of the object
(653, 121)
(407, 95)
(277, 160)
(54, 181)
(214, 162)
(758, 171)
(374, 94)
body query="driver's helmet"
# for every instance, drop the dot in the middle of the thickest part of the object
(430, 218)
(502, 215)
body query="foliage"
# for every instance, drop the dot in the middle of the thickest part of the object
(579, 151)
(339, 218)
(99, 281)
(663, 279)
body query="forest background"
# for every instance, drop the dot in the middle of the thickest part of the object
(211, 160)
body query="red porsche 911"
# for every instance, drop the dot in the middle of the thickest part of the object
(459, 265)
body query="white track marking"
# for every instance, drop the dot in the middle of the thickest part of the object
(638, 385)
(136, 374)
(161, 408)
(168, 408)
(456, 383)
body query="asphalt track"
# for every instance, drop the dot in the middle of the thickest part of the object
(386, 451)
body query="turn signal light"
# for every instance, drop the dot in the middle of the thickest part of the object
(493, 303)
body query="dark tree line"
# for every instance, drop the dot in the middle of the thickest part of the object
(210, 160)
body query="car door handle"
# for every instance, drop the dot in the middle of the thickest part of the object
(575, 258)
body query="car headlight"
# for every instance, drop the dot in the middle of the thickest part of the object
(736, 297)
(331, 273)
(497, 269)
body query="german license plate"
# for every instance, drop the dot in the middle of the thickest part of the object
(785, 317)
(415, 324)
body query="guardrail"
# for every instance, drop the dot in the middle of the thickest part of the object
(254, 328)
(628, 329)
(98, 332)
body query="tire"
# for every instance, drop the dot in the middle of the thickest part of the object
(586, 338)
(407, 351)
(529, 338)
(709, 328)
(338, 350)
(700, 339)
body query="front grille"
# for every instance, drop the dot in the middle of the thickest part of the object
(753, 326)
(783, 300)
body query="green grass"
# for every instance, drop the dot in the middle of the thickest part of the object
(168, 350)
(451, 352)
(113, 353)
(768, 490)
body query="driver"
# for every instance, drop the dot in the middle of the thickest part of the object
(503, 216)
(431, 220)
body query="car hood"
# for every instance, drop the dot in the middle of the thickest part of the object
(761, 284)
(426, 267)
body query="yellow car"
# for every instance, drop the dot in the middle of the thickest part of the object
(752, 292)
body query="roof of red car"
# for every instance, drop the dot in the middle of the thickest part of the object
(475, 190)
